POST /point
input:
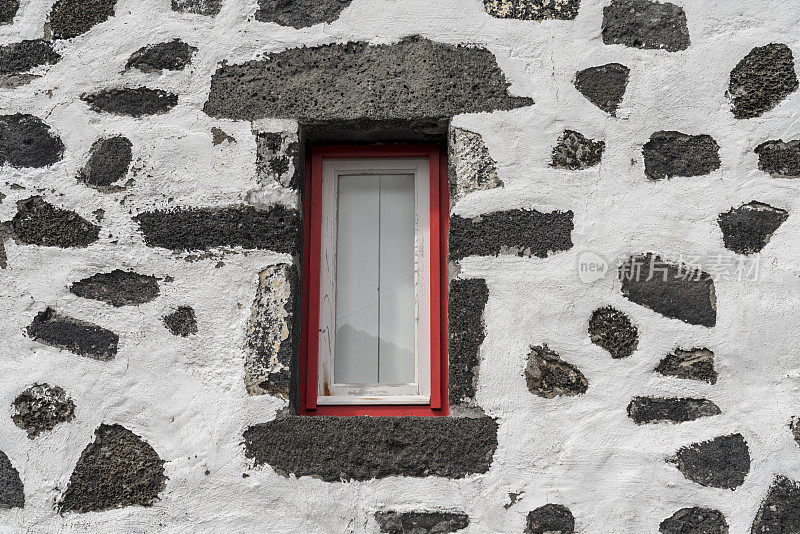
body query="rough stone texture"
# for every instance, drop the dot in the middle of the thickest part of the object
(279, 159)
(21, 57)
(40, 223)
(781, 160)
(748, 228)
(171, 55)
(549, 376)
(12, 492)
(41, 407)
(421, 522)
(673, 290)
(277, 229)
(118, 469)
(370, 131)
(722, 462)
(533, 9)
(778, 512)
(794, 426)
(271, 338)
(182, 322)
(515, 232)
(363, 448)
(550, 519)
(466, 332)
(575, 152)
(762, 80)
(471, 167)
(692, 364)
(612, 330)
(136, 102)
(414, 79)
(81, 337)
(198, 7)
(695, 521)
(604, 86)
(70, 18)
(118, 288)
(645, 24)
(300, 13)
(25, 141)
(670, 154)
(644, 410)
(109, 161)
(8, 9)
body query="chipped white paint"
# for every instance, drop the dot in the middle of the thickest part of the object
(267, 328)
(186, 396)
(471, 166)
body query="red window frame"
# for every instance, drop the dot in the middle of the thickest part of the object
(439, 212)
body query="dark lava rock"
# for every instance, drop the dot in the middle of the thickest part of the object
(722, 462)
(136, 102)
(604, 86)
(300, 13)
(695, 521)
(413, 79)
(781, 160)
(40, 223)
(198, 7)
(172, 55)
(118, 469)
(644, 410)
(761, 80)
(748, 229)
(421, 522)
(8, 9)
(613, 330)
(182, 322)
(517, 232)
(533, 9)
(218, 136)
(693, 364)
(80, 337)
(109, 161)
(550, 519)
(548, 376)
(12, 492)
(466, 332)
(779, 510)
(25, 141)
(70, 18)
(645, 24)
(118, 288)
(23, 56)
(364, 448)
(673, 290)
(669, 154)
(574, 152)
(277, 229)
(41, 407)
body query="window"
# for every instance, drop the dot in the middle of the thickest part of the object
(375, 269)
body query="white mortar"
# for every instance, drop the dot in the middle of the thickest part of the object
(186, 397)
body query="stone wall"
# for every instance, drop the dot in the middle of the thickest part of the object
(623, 282)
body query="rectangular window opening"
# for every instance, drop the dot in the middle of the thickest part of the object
(373, 325)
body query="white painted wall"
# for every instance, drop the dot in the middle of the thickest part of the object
(186, 397)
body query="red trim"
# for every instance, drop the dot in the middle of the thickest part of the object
(309, 345)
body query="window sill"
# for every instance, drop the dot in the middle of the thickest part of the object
(372, 400)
